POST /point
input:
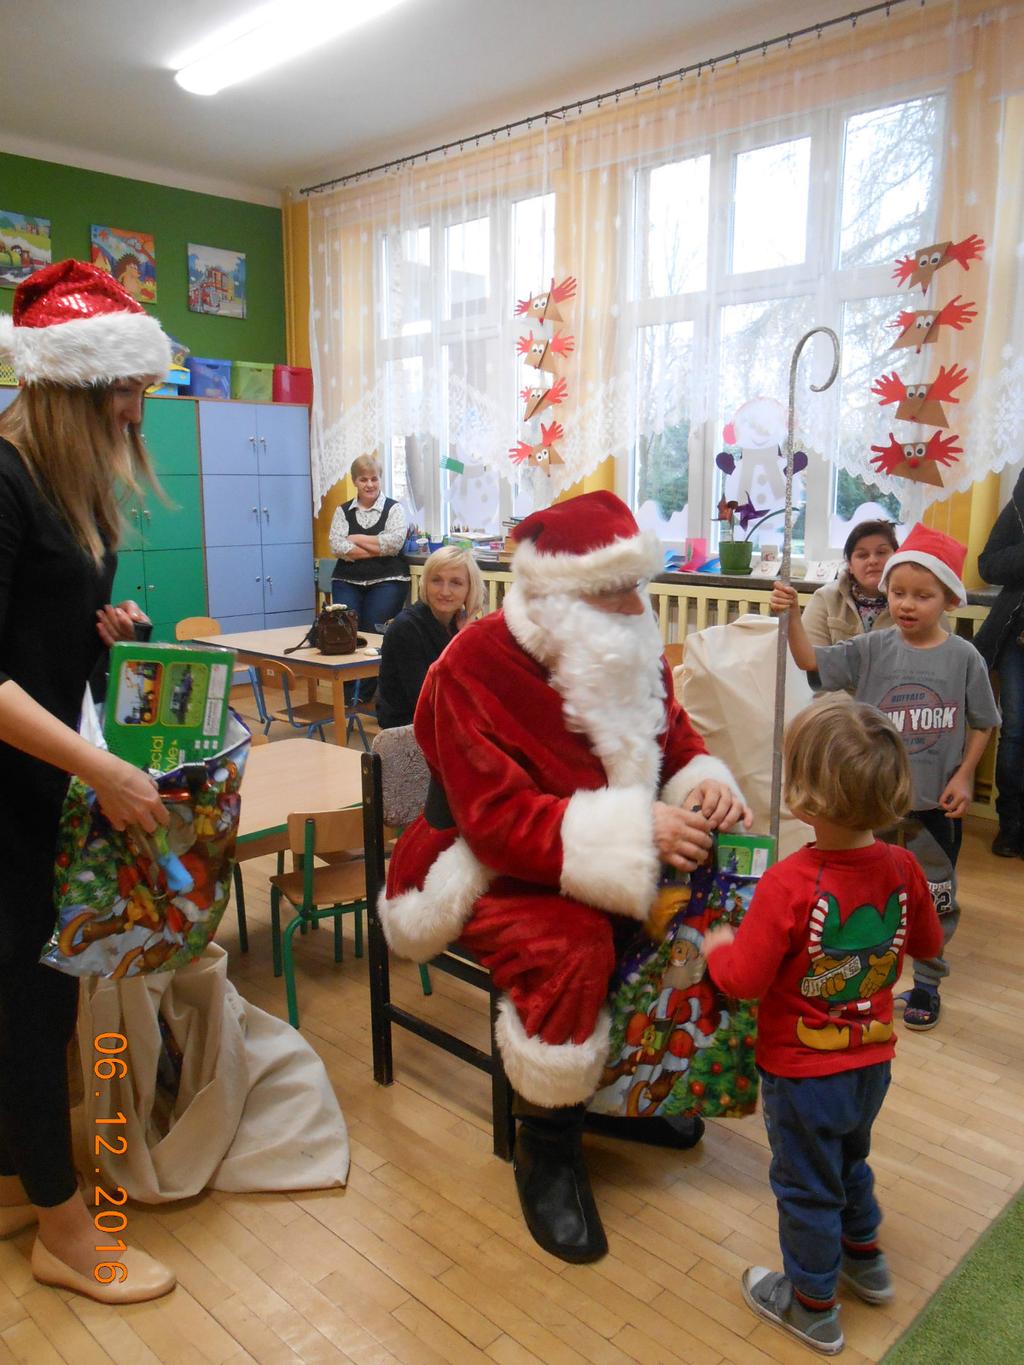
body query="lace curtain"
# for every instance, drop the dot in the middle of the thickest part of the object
(706, 227)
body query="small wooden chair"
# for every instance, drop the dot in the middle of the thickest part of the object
(306, 715)
(395, 780)
(193, 626)
(318, 893)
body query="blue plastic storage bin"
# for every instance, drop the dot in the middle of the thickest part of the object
(209, 378)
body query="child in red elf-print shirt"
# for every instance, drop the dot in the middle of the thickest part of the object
(820, 947)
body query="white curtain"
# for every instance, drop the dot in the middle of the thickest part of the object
(707, 226)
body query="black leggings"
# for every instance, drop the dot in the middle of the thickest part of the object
(38, 1008)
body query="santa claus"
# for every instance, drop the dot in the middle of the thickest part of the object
(563, 774)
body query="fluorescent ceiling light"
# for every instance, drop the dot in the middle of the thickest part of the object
(269, 36)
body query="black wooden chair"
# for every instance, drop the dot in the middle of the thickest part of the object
(395, 781)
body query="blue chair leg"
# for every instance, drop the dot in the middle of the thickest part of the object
(337, 939)
(425, 982)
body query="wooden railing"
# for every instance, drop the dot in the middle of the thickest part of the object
(686, 606)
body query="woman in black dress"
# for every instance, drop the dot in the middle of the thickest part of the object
(452, 592)
(68, 443)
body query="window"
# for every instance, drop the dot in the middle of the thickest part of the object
(448, 290)
(738, 249)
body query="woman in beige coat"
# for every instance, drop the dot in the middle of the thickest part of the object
(854, 604)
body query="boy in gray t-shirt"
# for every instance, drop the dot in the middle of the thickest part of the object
(935, 689)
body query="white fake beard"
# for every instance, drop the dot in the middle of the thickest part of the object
(606, 667)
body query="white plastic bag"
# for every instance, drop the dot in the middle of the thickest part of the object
(225, 1095)
(727, 684)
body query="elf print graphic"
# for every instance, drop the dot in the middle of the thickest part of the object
(851, 959)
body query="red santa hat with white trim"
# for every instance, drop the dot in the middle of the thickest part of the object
(589, 544)
(935, 551)
(74, 325)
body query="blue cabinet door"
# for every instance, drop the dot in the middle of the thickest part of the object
(286, 512)
(7, 397)
(231, 506)
(228, 437)
(234, 577)
(288, 578)
(283, 438)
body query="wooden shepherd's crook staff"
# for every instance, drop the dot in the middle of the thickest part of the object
(787, 542)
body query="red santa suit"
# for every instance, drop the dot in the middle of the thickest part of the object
(550, 787)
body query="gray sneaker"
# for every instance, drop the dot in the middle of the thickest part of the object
(771, 1297)
(869, 1279)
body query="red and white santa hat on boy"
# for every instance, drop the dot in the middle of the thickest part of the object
(933, 550)
(589, 544)
(74, 325)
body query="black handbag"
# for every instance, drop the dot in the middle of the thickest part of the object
(335, 631)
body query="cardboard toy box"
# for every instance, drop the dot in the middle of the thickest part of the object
(167, 704)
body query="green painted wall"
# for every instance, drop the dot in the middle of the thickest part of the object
(74, 199)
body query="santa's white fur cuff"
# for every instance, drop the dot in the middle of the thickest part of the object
(550, 1074)
(420, 924)
(608, 854)
(703, 768)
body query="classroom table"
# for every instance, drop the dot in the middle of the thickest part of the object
(268, 646)
(285, 776)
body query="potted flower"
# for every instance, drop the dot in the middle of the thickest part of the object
(734, 555)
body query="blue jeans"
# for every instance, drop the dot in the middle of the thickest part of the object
(1010, 753)
(819, 1128)
(375, 603)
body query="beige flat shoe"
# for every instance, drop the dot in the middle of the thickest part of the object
(146, 1278)
(15, 1218)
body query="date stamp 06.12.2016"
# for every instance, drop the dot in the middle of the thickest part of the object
(110, 1221)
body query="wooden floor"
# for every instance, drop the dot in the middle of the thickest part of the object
(424, 1259)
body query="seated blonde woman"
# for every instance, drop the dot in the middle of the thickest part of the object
(451, 596)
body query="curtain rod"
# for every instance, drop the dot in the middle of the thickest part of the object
(634, 88)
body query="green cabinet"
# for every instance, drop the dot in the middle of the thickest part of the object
(160, 564)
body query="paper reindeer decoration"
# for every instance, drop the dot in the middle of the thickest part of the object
(542, 352)
(921, 402)
(916, 460)
(542, 456)
(544, 307)
(922, 329)
(539, 399)
(919, 268)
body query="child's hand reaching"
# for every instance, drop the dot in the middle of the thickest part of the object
(718, 937)
(784, 598)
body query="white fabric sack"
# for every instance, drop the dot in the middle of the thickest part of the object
(726, 682)
(254, 1109)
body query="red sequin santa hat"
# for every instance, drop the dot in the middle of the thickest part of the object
(74, 325)
(589, 544)
(933, 550)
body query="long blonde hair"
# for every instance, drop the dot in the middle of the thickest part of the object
(78, 458)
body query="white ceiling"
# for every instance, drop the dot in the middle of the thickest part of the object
(90, 81)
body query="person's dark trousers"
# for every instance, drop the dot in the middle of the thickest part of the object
(375, 604)
(38, 1008)
(934, 840)
(819, 1129)
(1010, 753)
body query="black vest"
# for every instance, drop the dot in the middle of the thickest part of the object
(380, 566)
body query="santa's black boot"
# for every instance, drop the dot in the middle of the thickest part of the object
(553, 1184)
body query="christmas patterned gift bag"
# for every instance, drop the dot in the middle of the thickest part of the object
(129, 903)
(678, 1045)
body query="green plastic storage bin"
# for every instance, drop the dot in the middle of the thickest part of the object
(253, 380)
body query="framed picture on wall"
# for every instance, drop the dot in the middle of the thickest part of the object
(24, 246)
(216, 281)
(130, 257)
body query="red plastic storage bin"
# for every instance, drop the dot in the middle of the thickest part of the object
(293, 384)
